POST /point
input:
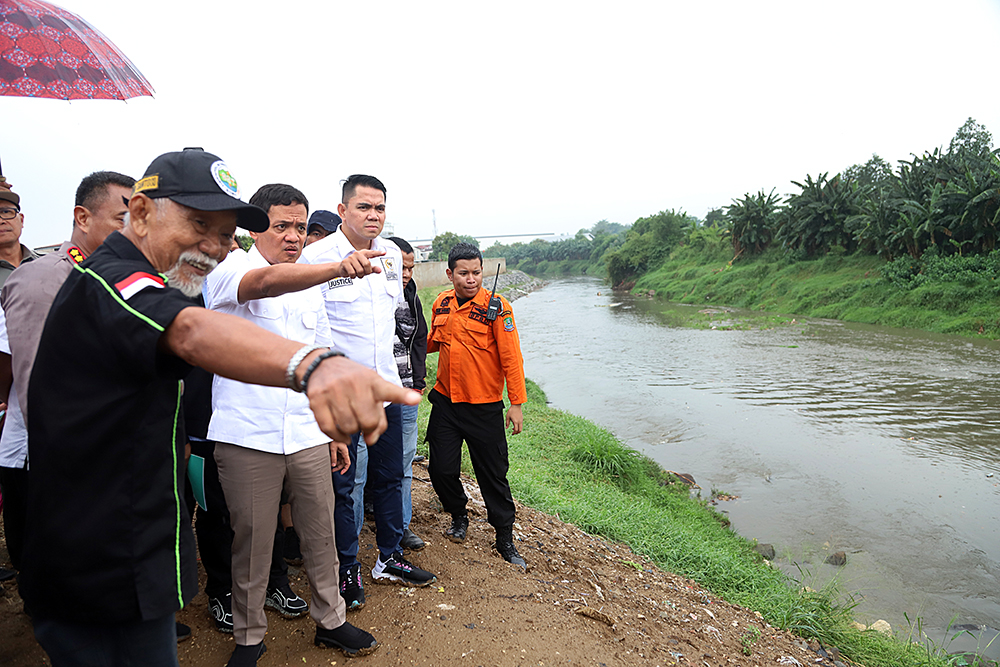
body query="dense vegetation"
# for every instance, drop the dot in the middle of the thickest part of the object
(926, 218)
(945, 203)
(444, 242)
(582, 254)
(911, 246)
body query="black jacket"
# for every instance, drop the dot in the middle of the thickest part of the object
(417, 344)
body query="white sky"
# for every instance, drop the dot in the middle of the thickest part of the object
(515, 117)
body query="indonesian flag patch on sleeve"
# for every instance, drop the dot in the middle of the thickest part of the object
(136, 283)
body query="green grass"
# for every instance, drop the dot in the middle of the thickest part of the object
(853, 288)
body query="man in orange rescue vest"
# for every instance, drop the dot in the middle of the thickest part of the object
(479, 349)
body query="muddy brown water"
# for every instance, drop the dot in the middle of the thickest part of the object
(883, 443)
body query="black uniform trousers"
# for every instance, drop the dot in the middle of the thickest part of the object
(481, 426)
(14, 482)
(215, 533)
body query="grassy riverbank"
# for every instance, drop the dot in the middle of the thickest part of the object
(956, 295)
(565, 465)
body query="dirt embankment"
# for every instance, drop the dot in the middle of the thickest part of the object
(583, 601)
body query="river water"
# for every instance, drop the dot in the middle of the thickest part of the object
(879, 442)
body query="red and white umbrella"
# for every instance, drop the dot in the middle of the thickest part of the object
(46, 51)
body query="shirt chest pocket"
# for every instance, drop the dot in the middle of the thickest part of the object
(478, 334)
(438, 326)
(265, 309)
(392, 289)
(303, 329)
(340, 297)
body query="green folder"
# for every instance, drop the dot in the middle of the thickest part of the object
(196, 473)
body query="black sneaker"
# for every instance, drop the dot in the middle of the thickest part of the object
(284, 599)
(459, 526)
(183, 632)
(351, 589)
(400, 571)
(246, 656)
(349, 639)
(418, 458)
(292, 551)
(505, 547)
(221, 611)
(411, 541)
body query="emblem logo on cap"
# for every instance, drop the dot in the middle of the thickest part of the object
(224, 179)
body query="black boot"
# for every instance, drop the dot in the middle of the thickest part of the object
(411, 541)
(505, 547)
(459, 526)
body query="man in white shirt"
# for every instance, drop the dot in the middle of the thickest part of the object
(267, 438)
(361, 313)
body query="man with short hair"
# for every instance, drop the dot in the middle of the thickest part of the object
(321, 224)
(266, 439)
(13, 253)
(479, 351)
(108, 556)
(410, 348)
(26, 297)
(213, 528)
(362, 320)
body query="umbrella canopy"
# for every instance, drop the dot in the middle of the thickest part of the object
(46, 51)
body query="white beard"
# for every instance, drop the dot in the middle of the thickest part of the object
(190, 285)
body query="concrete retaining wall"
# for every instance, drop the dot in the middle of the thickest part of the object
(428, 274)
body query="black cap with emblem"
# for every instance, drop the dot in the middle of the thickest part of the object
(202, 181)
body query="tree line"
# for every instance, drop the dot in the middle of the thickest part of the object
(943, 202)
(540, 257)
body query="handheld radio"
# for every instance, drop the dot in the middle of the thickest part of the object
(494, 309)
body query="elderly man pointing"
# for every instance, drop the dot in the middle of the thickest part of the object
(109, 556)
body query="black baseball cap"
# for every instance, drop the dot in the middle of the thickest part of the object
(328, 220)
(202, 181)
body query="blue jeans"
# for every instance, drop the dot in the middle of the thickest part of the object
(409, 413)
(384, 473)
(136, 644)
(409, 417)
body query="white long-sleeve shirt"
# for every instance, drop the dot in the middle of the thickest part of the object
(268, 419)
(362, 311)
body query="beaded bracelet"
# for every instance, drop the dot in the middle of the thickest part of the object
(316, 362)
(293, 365)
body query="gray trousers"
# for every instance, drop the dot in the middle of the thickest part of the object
(252, 481)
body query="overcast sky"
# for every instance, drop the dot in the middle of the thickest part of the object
(515, 117)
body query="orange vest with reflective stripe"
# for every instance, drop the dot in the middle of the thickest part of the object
(476, 355)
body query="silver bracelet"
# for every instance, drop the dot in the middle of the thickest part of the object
(295, 361)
